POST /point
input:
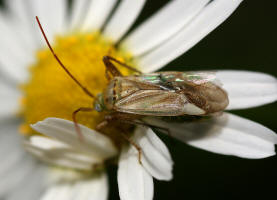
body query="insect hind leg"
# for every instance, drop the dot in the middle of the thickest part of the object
(137, 147)
(129, 119)
(119, 117)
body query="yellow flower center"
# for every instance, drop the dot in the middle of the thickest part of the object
(50, 92)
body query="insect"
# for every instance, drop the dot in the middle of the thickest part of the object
(163, 94)
(130, 98)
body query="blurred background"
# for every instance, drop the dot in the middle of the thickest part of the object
(246, 41)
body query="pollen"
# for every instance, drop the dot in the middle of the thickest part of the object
(50, 92)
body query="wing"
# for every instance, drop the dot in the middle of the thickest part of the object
(166, 94)
(156, 103)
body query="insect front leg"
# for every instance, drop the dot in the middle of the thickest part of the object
(74, 118)
(109, 59)
(110, 68)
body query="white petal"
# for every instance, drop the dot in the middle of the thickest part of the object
(58, 158)
(98, 12)
(17, 8)
(12, 68)
(227, 134)
(9, 101)
(95, 143)
(20, 12)
(61, 192)
(94, 188)
(52, 14)
(164, 24)
(17, 166)
(33, 187)
(206, 21)
(14, 177)
(123, 19)
(17, 41)
(46, 143)
(21, 33)
(57, 153)
(248, 89)
(13, 57)
(156, 158)
(12, 39)
(134, 181)
(79, 11)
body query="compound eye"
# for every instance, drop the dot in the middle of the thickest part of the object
(98, 107)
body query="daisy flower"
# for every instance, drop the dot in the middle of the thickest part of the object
(35, 91)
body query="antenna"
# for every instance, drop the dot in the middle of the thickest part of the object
(60, 62)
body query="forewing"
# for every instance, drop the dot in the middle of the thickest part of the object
(156, 103)
(170, 94)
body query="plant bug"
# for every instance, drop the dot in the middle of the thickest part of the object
(128, 99)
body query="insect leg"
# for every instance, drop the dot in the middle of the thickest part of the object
(122, 64)
(77, 127)
(110, 68)
(129, 119)
(102, 125)
(108, 77)
(105, 123)
(116, 117)
(135, 145)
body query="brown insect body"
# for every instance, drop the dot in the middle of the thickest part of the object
(165, 94)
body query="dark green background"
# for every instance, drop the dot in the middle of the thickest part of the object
(247, 40)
